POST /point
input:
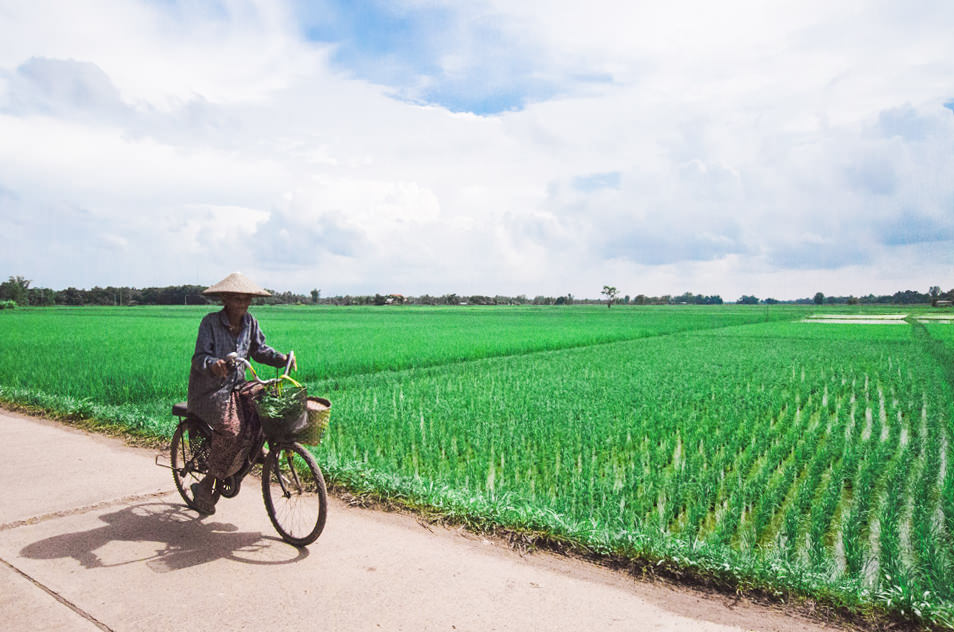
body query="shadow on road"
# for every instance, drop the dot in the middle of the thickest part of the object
(181, 540)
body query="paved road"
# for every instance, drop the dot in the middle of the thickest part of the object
(94, 537)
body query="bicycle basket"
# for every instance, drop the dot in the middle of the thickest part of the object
(282, 411)
(317, 413)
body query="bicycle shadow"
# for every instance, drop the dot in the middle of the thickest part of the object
(182, 540)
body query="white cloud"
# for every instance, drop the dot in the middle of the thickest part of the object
(740, 147)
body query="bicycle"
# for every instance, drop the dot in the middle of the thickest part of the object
(293, 486)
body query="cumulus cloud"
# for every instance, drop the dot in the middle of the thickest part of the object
(62, 87)
(482, 147)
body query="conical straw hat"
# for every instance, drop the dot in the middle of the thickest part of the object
(236, 283)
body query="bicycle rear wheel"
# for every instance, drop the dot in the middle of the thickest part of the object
(294, 492)
(191, 445)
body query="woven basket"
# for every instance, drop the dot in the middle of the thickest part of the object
(318, 412)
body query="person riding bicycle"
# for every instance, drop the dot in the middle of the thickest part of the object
(218, 394)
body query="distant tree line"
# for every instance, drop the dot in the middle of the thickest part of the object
(19, 291)
(904, 297)
(455, 299)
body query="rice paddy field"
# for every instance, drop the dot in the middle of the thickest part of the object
(804, 453)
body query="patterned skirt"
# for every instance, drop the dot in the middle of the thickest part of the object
(234, 431)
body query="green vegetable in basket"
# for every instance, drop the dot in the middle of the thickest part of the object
(285, 404)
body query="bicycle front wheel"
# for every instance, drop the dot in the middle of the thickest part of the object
(294, 492)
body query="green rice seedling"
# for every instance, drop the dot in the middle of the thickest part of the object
(796, 456)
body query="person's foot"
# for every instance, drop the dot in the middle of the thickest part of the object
(202, 499)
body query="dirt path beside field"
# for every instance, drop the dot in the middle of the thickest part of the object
(93, 536)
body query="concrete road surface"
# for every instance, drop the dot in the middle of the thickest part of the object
(93, 536)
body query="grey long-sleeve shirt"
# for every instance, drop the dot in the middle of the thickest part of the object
(209, 395)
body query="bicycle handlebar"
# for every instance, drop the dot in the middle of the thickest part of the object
(235, 360)
(289, 361)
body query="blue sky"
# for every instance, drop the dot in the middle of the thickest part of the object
(430, 146)
(403, 47)
(378, 41)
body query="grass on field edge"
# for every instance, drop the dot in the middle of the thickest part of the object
(724, 572)
(83, 421)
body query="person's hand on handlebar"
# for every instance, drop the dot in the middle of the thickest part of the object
(220, 368)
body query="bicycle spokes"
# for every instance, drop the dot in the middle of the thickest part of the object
(288, 479)
(294, 493)
(189, 455)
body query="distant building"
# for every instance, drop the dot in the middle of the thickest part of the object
(942, 303)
